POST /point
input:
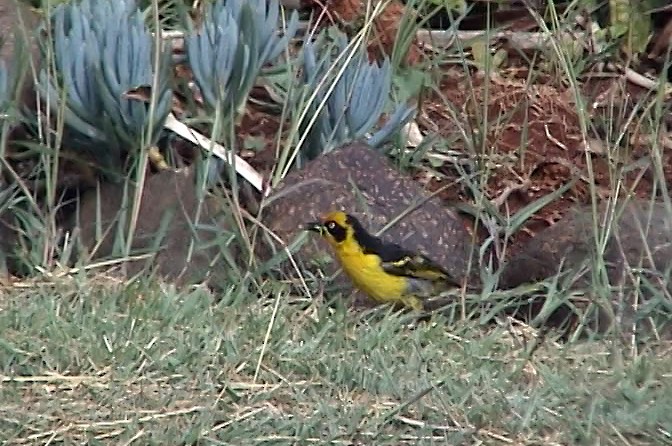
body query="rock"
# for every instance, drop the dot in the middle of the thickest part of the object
(165, 227)
(639, 247)
(357, 179)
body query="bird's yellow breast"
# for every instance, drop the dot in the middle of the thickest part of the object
(366, 273)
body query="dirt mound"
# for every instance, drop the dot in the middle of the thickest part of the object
(637, 257)
(171, 223)
(533, 143)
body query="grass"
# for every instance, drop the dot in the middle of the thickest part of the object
(92, 362)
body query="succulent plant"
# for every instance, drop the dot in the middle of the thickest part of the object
(351, 96)
(102, 49)
(5, 93)
(9, 111)
(236, 39)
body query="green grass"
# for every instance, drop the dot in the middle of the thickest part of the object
(144, 364)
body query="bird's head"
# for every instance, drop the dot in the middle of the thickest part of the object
(334, 227)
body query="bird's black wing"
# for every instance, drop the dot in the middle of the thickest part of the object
(398, 260)
(416, 266)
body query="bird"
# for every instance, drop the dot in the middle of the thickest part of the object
(385, 271)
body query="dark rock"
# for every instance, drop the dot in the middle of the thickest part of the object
(639, 249)
(361, 181)
(167, 225)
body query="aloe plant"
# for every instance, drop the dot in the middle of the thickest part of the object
(102, 49)
(227, 53)
(348, 106)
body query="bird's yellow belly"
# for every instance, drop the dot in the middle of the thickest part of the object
(367, 275)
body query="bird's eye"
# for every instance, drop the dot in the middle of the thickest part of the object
(336, 231)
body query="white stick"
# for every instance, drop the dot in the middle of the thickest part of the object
(242, 167)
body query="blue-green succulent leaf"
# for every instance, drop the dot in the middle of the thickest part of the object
(401, 116)
(357, 101)
(102, 49)
(5, 94)
(228, 51)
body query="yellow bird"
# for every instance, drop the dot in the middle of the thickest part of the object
(385, 271)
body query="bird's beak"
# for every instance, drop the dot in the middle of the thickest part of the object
(314, 226)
